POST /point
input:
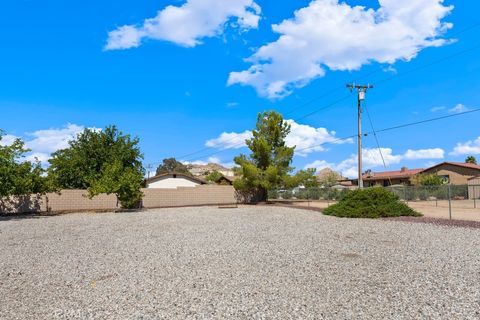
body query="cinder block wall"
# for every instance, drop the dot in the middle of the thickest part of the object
(200, 195)
(76, 200)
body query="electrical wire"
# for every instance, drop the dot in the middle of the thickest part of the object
(475, 25)
(376, 140)
(366, 133)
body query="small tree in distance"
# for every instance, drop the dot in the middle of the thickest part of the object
(430, 179)
(172, 165)
(471, 159)
(214, 176)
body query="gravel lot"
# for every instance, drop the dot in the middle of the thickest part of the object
(250, 262)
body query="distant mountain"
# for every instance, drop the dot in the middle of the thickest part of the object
(203, 170)
(328, 177)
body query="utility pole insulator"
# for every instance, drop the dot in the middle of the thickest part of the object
(362, 90)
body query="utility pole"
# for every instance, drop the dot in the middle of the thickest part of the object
(148, 167)
(361, 89)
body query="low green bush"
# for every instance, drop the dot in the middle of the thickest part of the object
(370, 203)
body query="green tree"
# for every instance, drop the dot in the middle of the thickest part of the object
(19, 177)
(105, 161)
(327, 177)
(430, 179)
(471, 159)
(172, 165)
(306, 178)
(214, 176)
(268, 165)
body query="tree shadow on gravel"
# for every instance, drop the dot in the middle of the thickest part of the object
(22, 216)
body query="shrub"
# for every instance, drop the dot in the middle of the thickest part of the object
(288, 194)
(370, 203)
(273, 194)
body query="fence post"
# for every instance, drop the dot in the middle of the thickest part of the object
(308, 196)
(405, 193)
(450, 201)
(474, 198)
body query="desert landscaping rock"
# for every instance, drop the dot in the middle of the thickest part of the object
(250, 262)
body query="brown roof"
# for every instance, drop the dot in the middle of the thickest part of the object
(458, 164)
(405, 173)
(178, 174)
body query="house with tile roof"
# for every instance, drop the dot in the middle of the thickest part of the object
(389, 178)
(457, 173)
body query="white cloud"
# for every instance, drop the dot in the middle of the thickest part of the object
(373, 159)
(51, 140)
(329, 34)
(435, 153)
(44, 142)
(232, 104)
(437, 109)
(320, 165)
(459, 108)
(7, 140)
(188, 24)
(38, 156)
(467, 148)
(307, 139)
(230, 140)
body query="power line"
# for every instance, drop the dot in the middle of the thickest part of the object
(475, 25)
(377, 141)
(427, 120)
(366, 133)
(378, 82)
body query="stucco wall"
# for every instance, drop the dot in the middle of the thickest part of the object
(458, 175)
(76, 200)
(172, 183)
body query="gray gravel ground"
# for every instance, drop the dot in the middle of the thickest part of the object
(251, 262)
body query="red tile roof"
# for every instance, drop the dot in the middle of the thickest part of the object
(391, 174)
(458, 164)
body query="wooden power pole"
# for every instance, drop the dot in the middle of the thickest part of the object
(361, 89)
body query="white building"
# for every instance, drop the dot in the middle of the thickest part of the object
(172, 181)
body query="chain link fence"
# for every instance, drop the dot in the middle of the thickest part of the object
(445, 201)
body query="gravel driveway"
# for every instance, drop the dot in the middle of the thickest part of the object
(250, 262)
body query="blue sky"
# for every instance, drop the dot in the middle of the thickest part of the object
(178, 74)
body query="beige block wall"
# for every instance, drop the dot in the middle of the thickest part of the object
(23, 204)
(76, 200)
(199, 195)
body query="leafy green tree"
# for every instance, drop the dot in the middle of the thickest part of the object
(306, 178)
(105, 161)
(471, 159)
(172, 165)
(214, 176)
(268, 165)
(19, 177)
(430, 179)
